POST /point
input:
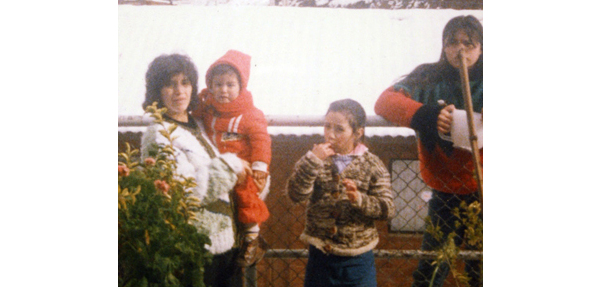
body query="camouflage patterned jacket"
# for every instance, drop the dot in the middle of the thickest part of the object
(334, 224)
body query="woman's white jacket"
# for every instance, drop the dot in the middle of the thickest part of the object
(215, 178)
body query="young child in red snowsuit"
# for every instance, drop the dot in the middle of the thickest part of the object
(235, 125)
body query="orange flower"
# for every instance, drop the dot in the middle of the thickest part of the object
(123, 170)
(150, 161)
(162, 186)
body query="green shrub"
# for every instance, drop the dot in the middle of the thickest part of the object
(469, 218)
(158, 245)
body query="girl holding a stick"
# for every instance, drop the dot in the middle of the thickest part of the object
(424, 101)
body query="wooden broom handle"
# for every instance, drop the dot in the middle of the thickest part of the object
(466, 90)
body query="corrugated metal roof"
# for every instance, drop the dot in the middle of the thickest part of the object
(302, 58)
(308, 131)
(287, 125)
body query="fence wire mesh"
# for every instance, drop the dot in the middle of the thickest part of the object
(399, 250)
(400, 239)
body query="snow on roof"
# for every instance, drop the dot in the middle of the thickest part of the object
(286, 125)
(302, 58)
(298, 131)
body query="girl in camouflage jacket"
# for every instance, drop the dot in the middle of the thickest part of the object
(348, 189)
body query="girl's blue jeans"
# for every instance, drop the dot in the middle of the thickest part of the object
(331, 270)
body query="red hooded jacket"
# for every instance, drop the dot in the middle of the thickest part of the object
(237, 127)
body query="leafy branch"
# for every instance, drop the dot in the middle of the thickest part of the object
(469, 218)
(158, 245)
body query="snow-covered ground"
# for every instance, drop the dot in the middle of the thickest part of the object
(302, 58)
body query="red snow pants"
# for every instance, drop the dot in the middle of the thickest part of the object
(250, 208)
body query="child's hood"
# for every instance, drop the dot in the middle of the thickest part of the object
(236, 59)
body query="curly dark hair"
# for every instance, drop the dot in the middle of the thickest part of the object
(159, 74)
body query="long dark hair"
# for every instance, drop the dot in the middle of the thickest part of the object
(159, 74)
(442, 70)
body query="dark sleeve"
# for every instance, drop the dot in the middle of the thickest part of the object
(425, 123)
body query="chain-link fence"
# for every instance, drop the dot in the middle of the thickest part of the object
(399, 250)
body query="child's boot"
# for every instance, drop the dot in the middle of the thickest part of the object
(253, 250)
